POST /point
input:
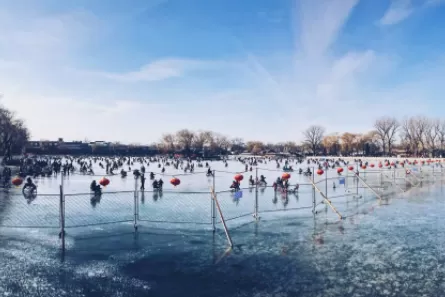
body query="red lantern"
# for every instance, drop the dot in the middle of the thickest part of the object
(239, 177)
(320, 171)
(409, 163)
(17, 181)
(285, 176)
(339, 170)
(380, 165)
(363, 166)
(371, 165)
(351, 168)
(104, 181)
(392, 164)
(175, 181)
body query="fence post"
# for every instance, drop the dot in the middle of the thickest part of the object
(213, 207)
(255, 214)
(62, 218)
(326, 180)
(394, 175)
(380, 179)
(61, 180)
(356, 181)
(136, 203)
(313, 190)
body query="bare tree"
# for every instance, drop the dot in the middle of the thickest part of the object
(442, 135)
(392, 133)
(408, 135)
(222, 142)
(203, 138)
(347, 142)
(421, 128)
(169, 142)
(372, 145)
(386, 128)
(331, 143)
(313, 137)
(237, 145)
(433, 134)
(13, 134)
(290, 147)
(254, 146)
(185, 139)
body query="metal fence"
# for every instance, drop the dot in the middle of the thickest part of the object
(214, 209)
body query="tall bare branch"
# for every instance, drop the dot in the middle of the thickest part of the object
(313, 137)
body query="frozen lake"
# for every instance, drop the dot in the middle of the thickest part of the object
(393, 247)
(190, 202)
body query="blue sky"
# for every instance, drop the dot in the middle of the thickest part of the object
(130, 71)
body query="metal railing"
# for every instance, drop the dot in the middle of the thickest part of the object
(211, 209)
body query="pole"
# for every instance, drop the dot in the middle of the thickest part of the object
(380, 177)
(326, 180)
(394, 175)
(327, 201)
(356, 182)
(61, 179)
(229, 238)
(136, 202)
(255, 214)
(62, 219)
(360, 179)
(213, 206)
(313, 190)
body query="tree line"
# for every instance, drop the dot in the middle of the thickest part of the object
(411, 136)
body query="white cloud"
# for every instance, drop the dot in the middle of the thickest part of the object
(162, 69)
(434, 2)
(397, 12)
(400, 10)
(44, 38)
(321, 21)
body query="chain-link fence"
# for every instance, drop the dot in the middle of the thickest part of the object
(175, 207)
(42, 211)
(262, 196)
(82, 210)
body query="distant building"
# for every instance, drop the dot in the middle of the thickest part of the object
(45, 147)
(42, 146)
(100, 143)
(57, 147)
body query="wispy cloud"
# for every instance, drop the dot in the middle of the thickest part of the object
(398, 11)
(321, 21)
(434, 2)
(44, 37)
(163, 69)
